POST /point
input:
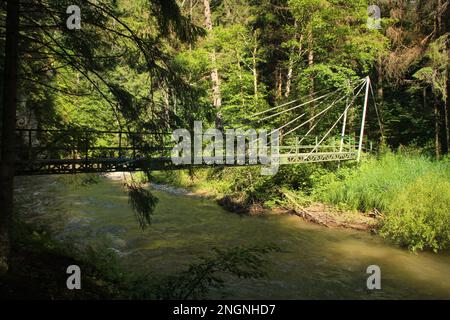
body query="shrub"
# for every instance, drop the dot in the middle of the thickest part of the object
(419, 218)
(413, 192)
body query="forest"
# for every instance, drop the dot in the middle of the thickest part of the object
(74, 70)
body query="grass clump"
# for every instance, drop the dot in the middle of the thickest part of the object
(412, 192)
(419, 218)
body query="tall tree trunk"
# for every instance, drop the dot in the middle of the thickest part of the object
(291, 63)
(310, 64)
(380, 98)
(217, 98)
(446, 16)
(440, 30)
(8, 130)
(190, 20)
(446, 113)
(289, 75)
(446, 29)
(437, 127)
(279, 83)
(254, 68)
(380, 90)
(439, 18)
(241, 83)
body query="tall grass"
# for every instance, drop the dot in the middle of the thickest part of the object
(412, 192)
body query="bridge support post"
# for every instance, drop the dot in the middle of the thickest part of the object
(120, 144)
(341, 146)
(363, 121)
(74, 157)
(86, 148)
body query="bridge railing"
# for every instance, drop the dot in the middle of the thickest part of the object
(36, 144)
(74, 151)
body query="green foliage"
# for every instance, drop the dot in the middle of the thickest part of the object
(39, 263)
(411, 191)
(294, 198)
(143, 203)
(419, 218)
(435, 74)
(134, 65)
(246, 183)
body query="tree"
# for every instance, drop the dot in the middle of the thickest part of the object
(36, 30)
(435, 75)
(217, 99)
(8, 145)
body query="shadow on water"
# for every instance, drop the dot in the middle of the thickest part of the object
(315, 262)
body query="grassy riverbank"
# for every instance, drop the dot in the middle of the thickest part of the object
(410, 194)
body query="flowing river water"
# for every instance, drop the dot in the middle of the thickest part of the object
(314, 263)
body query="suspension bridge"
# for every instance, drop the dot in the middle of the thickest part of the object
(42, 152)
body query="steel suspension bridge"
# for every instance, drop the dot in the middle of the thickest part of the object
(43, 152)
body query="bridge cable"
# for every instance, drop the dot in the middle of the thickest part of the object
(298, 106)
(377, 112)
(325, 136)
(288, 103)
(322, 112)
(315, 116)
(293, 101)
(290, 122)
(335, 124)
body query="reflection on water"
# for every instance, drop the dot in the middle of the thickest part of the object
(315, 262)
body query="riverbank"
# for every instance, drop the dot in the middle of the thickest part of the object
(405, 197)
(313, 212)
(313, 263)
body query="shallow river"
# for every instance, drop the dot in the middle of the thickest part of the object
(315, 262)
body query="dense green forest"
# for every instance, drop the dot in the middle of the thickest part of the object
(159, 65)
(136, 63)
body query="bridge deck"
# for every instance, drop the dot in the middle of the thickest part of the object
(44, 152)
(98, 165)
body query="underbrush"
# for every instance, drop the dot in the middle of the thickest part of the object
(246, 183)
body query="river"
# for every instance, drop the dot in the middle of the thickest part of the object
(314, 263)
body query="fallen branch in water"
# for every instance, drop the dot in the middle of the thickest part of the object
(302, 212)
(324, 216)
